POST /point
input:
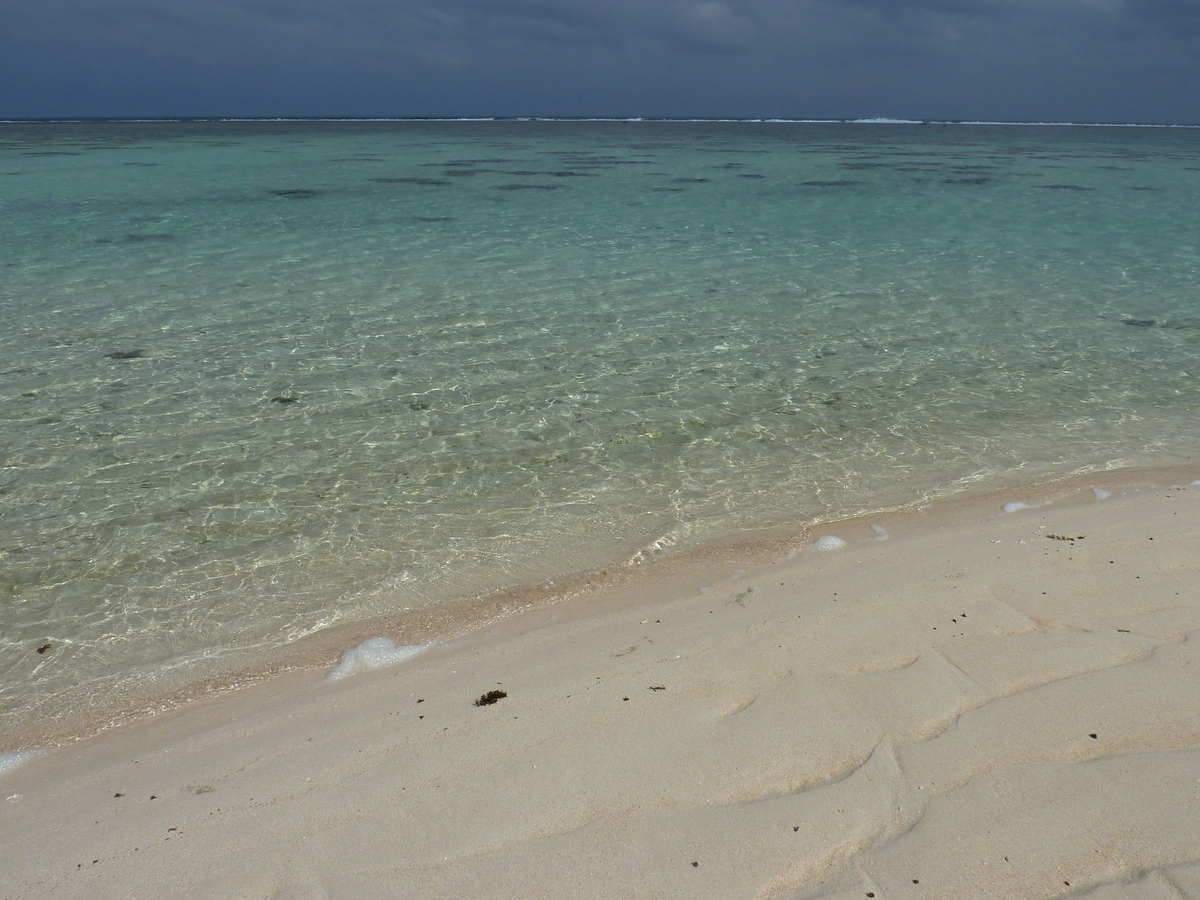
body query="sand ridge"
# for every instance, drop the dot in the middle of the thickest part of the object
(984, 705)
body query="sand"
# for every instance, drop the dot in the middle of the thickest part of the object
(982, 705)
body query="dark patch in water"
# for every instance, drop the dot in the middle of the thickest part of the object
(527, 173)
(1065, 187)
(142, 165)
(285, 400)
(689, 180)
(50, 153)
(295, 193)
(358, 159)
(747, 175)
(661, 190)
(864, 165)
(577, 157)
(433, 218)
(126, 354)
(528, 187)
(982, 179)
(731, 166)
(1140, 323)
(425, 181)
(465, 173)
(838, 183)
(143, 238)
(1143, 187)
(470, 162)
(602, 162)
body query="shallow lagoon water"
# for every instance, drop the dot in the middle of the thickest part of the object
(261, 379)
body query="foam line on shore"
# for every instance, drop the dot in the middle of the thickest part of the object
(931, 713)
(703, 567)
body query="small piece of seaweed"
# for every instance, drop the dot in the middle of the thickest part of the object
(490, 697)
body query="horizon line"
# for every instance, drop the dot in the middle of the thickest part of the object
(764, 120)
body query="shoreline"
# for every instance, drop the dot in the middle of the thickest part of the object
(686, 569)
(670, 349)
(985, 704)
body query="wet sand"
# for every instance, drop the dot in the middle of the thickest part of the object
(983, 704)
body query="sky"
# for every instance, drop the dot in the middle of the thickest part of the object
(1132, 61)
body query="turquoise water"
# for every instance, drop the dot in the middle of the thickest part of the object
(368, 367)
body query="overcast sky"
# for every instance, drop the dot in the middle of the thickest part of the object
(1047, 60)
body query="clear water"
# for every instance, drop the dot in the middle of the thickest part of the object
(387, 365)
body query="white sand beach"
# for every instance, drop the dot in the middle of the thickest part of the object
(982, 705)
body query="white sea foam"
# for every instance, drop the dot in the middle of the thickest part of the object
(880, 532)
(827, 542)
(1014, 506)
(1101, 493)
(9, 761)
(374, 653)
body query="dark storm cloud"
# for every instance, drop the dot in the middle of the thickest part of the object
(1179, 16)
(687, 23)
(1081, 59)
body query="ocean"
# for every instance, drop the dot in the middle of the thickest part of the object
(263, 379)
